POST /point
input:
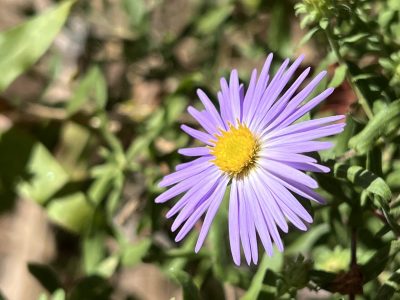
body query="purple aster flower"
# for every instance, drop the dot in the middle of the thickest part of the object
(253, 144)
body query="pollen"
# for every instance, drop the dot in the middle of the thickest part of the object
(235, 150)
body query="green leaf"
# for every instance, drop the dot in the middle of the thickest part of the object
(22, 46)
(72, 212)
(93, 252)
(133, 254)
(93, 287)
(365, 140)
(267, 263)
(308, 35)
(190, 290)
(375, 187)
(307, 240)
(339, 76)
(376, 264)
(92, 86)
(45, 275)
(210, 21)
(392, 285)
(107, 267)
(58, 295)
(46, 176)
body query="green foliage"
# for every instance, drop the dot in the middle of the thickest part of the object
(91, 153)
(22, 46)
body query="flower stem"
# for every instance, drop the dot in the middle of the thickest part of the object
(361, 98)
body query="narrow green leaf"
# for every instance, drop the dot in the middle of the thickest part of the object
(22, 46)
(339, 76)
(366, 139)
(45, 275)
(190, 290)
(376, 264)
(373, 185)
(392, 285)
(256, 285)
(210, 21)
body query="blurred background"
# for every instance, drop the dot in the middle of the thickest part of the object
(92, 95)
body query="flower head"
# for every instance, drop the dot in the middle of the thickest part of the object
(252, 143)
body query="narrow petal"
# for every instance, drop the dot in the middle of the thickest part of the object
(284, 171)
(303, 126)
(183, 174)
(199, 135)
(234, 94)
(194, 151)
(200, 188)
(203, 193)
(280, 105)
(209, 106)
(233, 220)
(212, 210)
(259, 221)
(194, 162)
(185, 185)
(199, 211)
(205, 122)
(244, 235)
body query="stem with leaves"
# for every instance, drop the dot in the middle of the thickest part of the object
(361, 98)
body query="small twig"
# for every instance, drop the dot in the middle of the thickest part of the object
(353, 260)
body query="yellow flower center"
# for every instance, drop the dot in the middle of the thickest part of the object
(235, 150)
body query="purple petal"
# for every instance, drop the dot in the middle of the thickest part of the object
(259, 220)
(201, 185)
(234, 223)
(210, 108)
(302, 147)
(202, 119)
(199, 135)
(286, 172)
(212, 210)
(244, 235)
(184, 185)
(234, 94)
(194, 151)
(280, 105)
(303, 126)
(193, 163)
(184, 173)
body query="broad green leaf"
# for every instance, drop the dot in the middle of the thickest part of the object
(93, 252)
(107, 267)
(58, 295)
(45, 275)
(92, 87)
(132, 254)
(46, 176)
(190, 290)
(72, 212)
(376, 127)
(22, 46)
